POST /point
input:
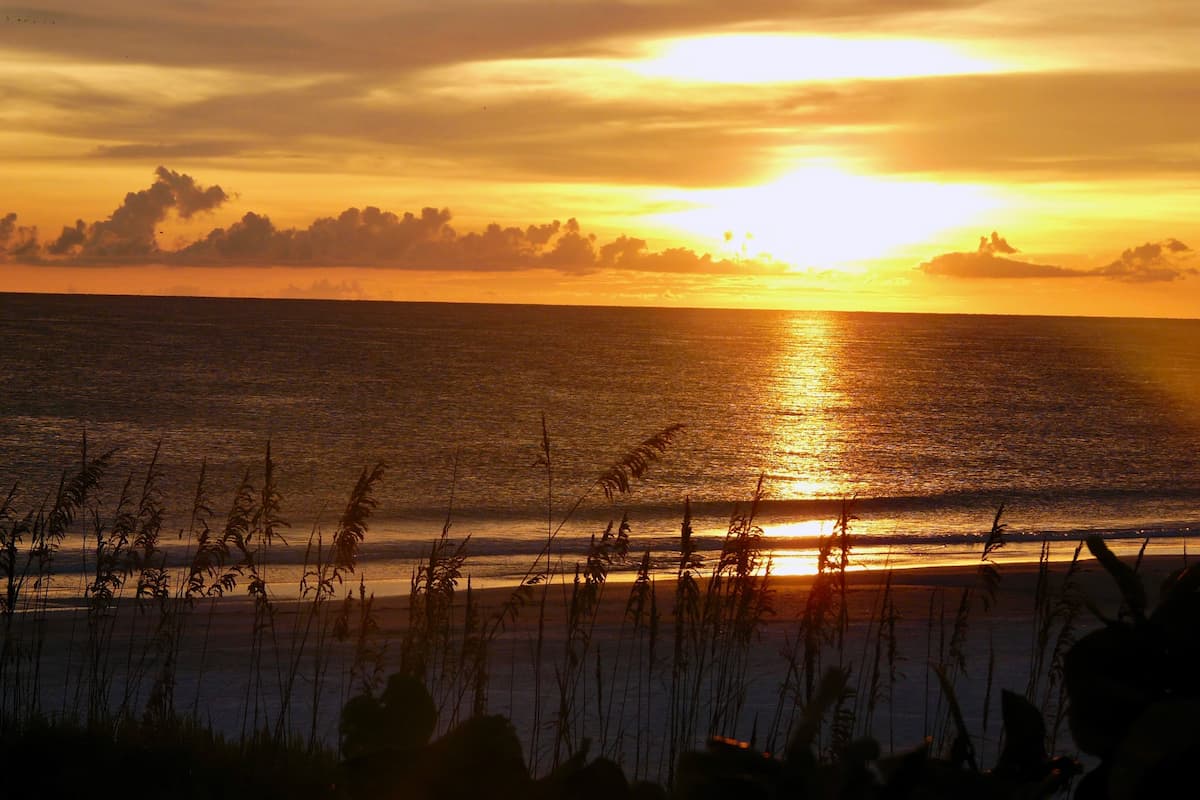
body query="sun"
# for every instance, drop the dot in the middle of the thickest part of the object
(822, 216)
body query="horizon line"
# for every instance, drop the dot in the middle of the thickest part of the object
(648, 307)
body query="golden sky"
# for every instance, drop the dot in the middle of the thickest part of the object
(1014, 156)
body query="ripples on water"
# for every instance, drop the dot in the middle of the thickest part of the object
(928, 421)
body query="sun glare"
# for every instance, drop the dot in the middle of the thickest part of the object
(771, 58)
(728, 60)
(822, 217)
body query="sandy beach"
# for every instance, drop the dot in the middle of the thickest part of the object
(621, 699)
(1001, 638)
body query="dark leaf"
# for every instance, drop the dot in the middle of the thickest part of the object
(1127, 580)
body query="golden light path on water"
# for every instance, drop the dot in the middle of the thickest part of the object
(798, 561)
(811, 457)
(808, 437)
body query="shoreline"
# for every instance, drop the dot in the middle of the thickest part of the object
(789, 565)
(800, 563)
(1015, 578)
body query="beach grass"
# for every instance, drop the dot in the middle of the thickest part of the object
(698, 673)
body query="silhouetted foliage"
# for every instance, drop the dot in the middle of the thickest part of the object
(1134, 700)
(1128, 686)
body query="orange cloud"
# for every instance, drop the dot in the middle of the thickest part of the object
(17, 242)
(130, 231)
(394, 38)
(325, 289)
(1148, 263)
(368, 237)
(1152, 261)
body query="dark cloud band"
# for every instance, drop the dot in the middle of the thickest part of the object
(367, 237)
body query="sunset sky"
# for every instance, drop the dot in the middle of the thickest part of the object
(900, 155)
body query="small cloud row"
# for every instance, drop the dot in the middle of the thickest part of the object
(1151, 262)
(366, 237)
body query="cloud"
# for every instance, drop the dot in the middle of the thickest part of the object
(1148, 263)
(598, 138)
(129, 232)
(1152, 261)
(1090, 124)
(328, 88)
(368, 237)
(633, 254)
(189, 197)
(377, 36)
(986, 265)
(426, 241)
(185, 148)
(996, 244)
(17, 242)
(1079, 123)
(352, 238)
(573, 251)
(325, 289)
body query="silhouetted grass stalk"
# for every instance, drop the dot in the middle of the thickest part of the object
(639, 691)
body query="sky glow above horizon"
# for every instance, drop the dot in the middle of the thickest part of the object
(767, 58)
(830, 155)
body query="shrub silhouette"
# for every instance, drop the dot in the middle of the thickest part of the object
(728, 769)
(387, 748)
(401, 719)
(1134, 702)
(388, 751)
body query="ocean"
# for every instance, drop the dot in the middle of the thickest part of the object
(924, 424)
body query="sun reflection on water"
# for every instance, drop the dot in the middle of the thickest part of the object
(808, 438)
(792, 563)
(809, 530)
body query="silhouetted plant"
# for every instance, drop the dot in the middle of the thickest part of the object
(586, 593)
(615, 479)
(822, 625)
(1131, 685)
(324, 572)
(641, 612)
(884, 661)
(685, 630)
(856, 769)
(429, 639)
(358, 624)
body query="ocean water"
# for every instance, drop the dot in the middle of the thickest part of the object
(925, 423)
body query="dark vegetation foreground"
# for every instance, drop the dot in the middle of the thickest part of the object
(659, 712)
